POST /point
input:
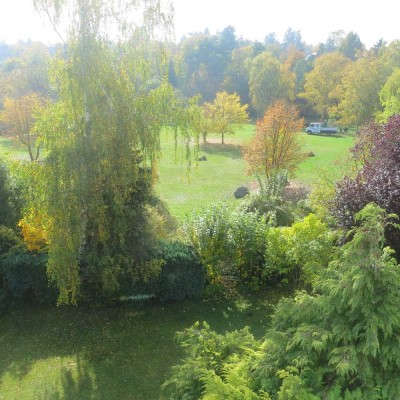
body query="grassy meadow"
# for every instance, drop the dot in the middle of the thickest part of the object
(217, 178)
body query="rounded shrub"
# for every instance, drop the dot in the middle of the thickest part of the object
(182, 274)
(24, 277)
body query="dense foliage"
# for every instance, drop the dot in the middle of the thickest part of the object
(245, 245)
(24, 277)
(298, 253)
(378, 180)
(182, 274)
(230, 244)
(338, 79)
(338, 343)
(10, 198)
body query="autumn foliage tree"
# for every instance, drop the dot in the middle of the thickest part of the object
(18, 116)
(276, 146)
(321, 84)
(225, 114)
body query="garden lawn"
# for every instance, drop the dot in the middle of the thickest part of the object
(13, 148)
(209, 181)
(123, 352)
(217, 178)
(330, 153)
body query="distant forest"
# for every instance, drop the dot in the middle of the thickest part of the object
(338, 81)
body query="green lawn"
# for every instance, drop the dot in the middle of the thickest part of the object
(330, 153)
(13, 148)
(217, 178)
(209, 181)
(123, 352)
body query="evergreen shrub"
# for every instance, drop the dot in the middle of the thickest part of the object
(25, 277)
(175, 273)
(182, 275)
(339, 343)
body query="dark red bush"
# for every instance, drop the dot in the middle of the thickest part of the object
(377, 181)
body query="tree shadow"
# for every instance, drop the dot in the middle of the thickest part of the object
(120, 352)
(233, 151)
(335, 135)
(74, 384)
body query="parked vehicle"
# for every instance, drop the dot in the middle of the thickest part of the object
(316, 127)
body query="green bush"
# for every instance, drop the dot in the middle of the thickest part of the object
(277, 211)
(10, 198)
(246, 239)
(24, 277)
(229, 243)
(207, 232)
(182, 274)
(296, 253)
(8, 241)
(339, 343)
(173, 273)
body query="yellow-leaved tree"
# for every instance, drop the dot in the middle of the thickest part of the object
(225, 114)
(18, 116)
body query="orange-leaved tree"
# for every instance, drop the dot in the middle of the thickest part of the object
(275, 147)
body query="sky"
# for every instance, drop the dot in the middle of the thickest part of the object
(252, 19)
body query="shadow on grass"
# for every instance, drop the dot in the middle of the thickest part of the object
(229, 150)
(121, 352)
(327, 135)
(74, 385)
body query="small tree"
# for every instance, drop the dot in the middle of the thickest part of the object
(225, 114)
(275, 147)
(19, 117)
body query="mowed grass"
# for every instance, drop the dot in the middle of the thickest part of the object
(208, 181)
(117, 353)
(330, 154)
(217, 178)
(12, 148)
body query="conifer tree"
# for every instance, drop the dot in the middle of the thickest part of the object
(339, 343)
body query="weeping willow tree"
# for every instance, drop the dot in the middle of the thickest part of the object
(102, 138)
